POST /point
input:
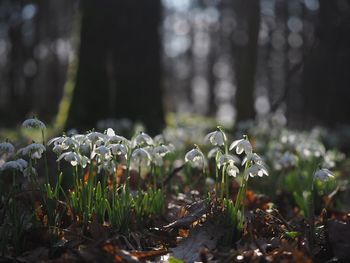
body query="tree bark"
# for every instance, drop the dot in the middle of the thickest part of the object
(244, 48)
(119, 58)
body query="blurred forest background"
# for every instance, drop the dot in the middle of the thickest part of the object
(74, 63)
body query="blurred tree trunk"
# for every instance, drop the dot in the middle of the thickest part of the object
(119, 67)
(326, 77)
(244, 48)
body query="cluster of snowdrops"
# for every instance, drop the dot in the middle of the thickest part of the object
(102, 168)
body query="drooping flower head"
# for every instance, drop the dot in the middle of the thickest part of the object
(33, 151)
(118, 149)
(158, 153)
(141, 156)
(195, 157)
(226, 159)
(323, 174)
(15, 165)
(242, 145)
(6, 148)
(102, 152)
(142, 139)
(256, 170)
(33, 124)
(216, 138)
(74, 159)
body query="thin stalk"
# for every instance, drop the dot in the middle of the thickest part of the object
(222, 182)
(45, 157)
(139, 181)
(312, 215)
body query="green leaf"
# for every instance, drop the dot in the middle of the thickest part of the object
(175, 260)
(292, 234)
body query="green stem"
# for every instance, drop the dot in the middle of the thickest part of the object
(45, 158)
(139, 181)
(222, 183)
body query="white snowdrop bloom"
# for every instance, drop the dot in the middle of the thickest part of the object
(110, 167)
(95, 137)
(11, 165)
(56, 140)
(33, 124)
(232, 170)
(33, 151)
(29, 171)
(242, 145)
(158, 153)
(161, 150)
(118, 149)
(118, 139)
(253, 157)
(216, 138)
(6, 148)
(141, 156)
(110, 132)
(102, 152)
(226, 159)
(323, 174)
(195, 157)
(62, 144)
(256, 170)
(72, 157)
(22, 163)
(142, 139)
(159, 139)
(59, 148)
(214, 151)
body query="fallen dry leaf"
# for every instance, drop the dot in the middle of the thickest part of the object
(201, 237)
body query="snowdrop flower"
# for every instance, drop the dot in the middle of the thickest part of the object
(6, 148)
(158, 153)
(29, 171)
(141, 156)
(253, 157)
(96, 137)
(159, 139)
(73, 158)
(110, 167)
(59, 148)
(226, 159)
(34, 124)
(118, 149)
(213, 152)
(216, 138)
(33, 151)
(18, 165)
(114, 138)
(323, 174)
(242, 145)
(256, 170)
(84, 144)
(11, 165)
(22, 163)
(65, 142)
(102, 152)
(232, 170)
(161, 150)
(142, 139)
(195, 157)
